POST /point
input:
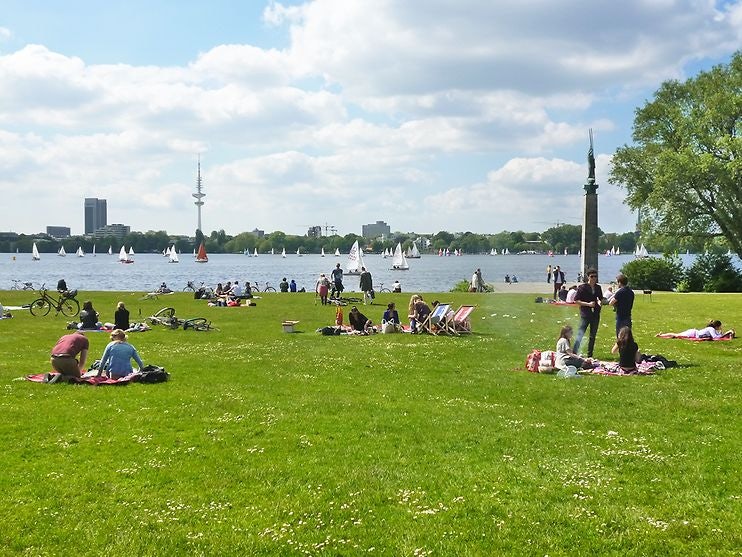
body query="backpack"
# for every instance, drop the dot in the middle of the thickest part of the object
(533, 360)
(152, 374)
(329, 331)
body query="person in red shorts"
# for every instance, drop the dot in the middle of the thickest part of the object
(65, 354)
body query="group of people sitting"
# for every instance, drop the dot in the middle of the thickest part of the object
(70, 354)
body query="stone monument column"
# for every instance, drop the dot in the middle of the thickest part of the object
(589, 257)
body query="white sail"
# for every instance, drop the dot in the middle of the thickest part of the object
(93, 250)
(414, 252)
(173, 256)
(399, 263)
(79, 252)
(122, 254)
(354, 260)
(493, 251)
(618, 251)
(298, 252)
(337, 252)
(645, 253)
(61, 252)
(35, 253)
(283, 252)
(273, 252)
(255, 254)
(110, 250)
(565, 251)
(322, 254)
(131, 251)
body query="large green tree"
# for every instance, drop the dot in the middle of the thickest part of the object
(684, 170)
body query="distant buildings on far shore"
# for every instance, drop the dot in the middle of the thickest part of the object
(376, 230)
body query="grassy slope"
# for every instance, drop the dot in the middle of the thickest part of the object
(265, 442)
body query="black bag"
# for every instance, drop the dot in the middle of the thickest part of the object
(152, 374)
(329, 331)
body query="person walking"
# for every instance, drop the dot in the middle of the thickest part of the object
(558, 280)
(337, 281)
(367, 286)
(589, 297)
(548, 274)
(622, 302)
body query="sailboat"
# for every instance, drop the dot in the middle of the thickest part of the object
(61, 252)
(493, 251)
(124, 257)
(131, 252)
(35, 253)
(298, 252)
(255, 253)
(173, 256)
(79, 252)
(399, 263)
(414, 252)
(283, 252)
(337, 252)
(201, 257)
(322, 254)
(93, 250)
(565, 251)
(110, 250)
(355, 260)
(273, 252)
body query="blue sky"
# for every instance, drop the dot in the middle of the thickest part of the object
(436, 114)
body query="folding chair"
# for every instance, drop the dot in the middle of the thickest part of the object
(435, 323)
(461, 324)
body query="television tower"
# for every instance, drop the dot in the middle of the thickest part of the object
(199, 194)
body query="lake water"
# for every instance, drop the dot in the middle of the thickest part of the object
(427, 274)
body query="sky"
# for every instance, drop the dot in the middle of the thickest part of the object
(455, 115)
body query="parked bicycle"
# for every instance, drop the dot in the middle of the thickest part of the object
(66, 303)
(266, 288)
(383, 290)
(21, 285)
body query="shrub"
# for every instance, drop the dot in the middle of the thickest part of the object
(654, 273)
(714, 272)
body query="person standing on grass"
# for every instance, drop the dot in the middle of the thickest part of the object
(558, 280)
(65, 353)
(548, 274)
(322, 288)
(622, 302)
(589, 297)
(337, 281)
(367, 286)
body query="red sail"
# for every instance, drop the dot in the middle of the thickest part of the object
(202, 257)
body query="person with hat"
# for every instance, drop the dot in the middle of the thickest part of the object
(116, 359)
(65, 352)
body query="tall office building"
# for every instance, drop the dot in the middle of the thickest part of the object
(376, 230)
(96, 214)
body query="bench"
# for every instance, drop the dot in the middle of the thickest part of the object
(648, 292)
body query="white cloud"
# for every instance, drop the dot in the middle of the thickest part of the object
(5, 34)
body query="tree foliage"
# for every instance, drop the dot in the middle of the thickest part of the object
(654, 273)
(713, 272)
(684, 170)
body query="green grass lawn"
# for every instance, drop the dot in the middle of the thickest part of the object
(266, 443)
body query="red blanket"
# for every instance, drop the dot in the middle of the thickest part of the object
(45, 378)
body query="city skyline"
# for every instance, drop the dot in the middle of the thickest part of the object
(463, 116)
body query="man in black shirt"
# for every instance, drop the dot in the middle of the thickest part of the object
(589, 297)
(622, 302)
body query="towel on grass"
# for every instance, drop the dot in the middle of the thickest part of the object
(84, 380)
(612, 368)
(694, 339)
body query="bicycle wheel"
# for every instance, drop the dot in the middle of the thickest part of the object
(70, 307)
(197, 324)
(269, 289)
(165, 313)
(385, 291)
(40, 307)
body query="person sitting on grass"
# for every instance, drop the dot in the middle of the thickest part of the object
(711, 331)
(565, 356)
(571, 293)
(89, 317)
(283, 286)
(116, 359)
(627, 349)
(390, 321)
(359, 322)
(121, 317)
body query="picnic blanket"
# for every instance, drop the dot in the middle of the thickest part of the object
(612, 368)
(84, 380)
(694, 339)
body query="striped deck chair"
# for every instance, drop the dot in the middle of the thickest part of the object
(461, 324)
(435, 324)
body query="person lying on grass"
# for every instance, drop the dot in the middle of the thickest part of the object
(627, 349)
(711, 331)
(565, 356)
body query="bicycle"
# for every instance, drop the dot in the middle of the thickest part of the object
(166, 318)
(198, 324)
(66, 303)
(190, 287)
(266, 288)
(383, 290)
(21, 285)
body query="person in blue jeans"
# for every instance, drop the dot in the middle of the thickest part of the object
(590, 298)
(622, 302)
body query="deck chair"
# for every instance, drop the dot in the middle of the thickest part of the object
(461, 324)
(435, 323)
